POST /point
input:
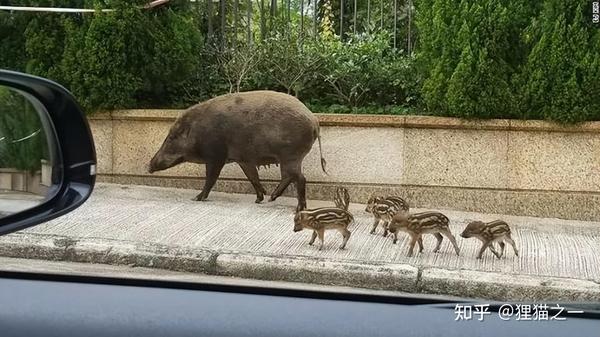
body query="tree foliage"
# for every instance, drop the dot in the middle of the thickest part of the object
(472, 59)
(508, 58)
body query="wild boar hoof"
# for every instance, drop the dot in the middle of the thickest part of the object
(259, 199)
(200, 197)
(272, 198)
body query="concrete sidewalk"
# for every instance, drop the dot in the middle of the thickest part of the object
(230, 235)
(15, 201)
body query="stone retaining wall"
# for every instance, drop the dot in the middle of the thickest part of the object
(497, 166)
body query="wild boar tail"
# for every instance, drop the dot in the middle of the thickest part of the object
(323, 161)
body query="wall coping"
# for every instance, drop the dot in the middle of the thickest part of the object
(354, 120)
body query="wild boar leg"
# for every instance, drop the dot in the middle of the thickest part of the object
(252, 175)
(493, 250)
(286, 180)
(312, 238)
(512, 243)
(439, 238)
(413, 241)
(385, 228)
(375, 226)
(301, 189)
(213, 169)
(346, 235)
(452, 239)
(483, 248)
(502, 245)
(283, 184)
(321, 234)
(292, 172)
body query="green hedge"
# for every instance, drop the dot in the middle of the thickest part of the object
(123, 59)
(22, 138)
(473, 59)
(510, 59)
(162, 58)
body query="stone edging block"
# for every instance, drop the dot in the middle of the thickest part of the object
(383, 276)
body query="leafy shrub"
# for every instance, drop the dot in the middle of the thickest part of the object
(237, 65)
(12, 40)
(366, 70)
(122, 59)
(473, 59)
(22, 144)
(109, 55)
(129, 57)
(371, 110)
(293, 65)
(470, 54)
(508, 58)
(175, 55)
(562, 74)
(290, 63)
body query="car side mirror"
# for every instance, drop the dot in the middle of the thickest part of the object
(47, 154)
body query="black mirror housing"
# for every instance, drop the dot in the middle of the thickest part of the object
(75, 164)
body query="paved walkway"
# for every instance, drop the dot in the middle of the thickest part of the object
(14, 201)
(233, 223)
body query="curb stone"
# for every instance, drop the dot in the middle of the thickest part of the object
(114, 252)
(400, 277)
(498, 286)
(383, 276)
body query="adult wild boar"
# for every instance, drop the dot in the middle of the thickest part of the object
(253, 129)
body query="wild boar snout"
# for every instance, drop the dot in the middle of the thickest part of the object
(153, 165)
(159, 164)
(171, 153)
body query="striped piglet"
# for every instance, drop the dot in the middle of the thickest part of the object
(321, 219)
(417, 224)
(384, 209)
(341, 198)
(488, 233)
